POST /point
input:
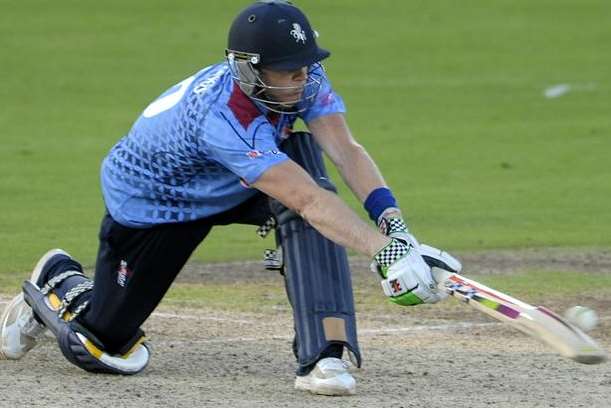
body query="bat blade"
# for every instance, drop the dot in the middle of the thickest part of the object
(535, 321)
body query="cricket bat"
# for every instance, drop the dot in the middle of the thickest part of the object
(536, 321)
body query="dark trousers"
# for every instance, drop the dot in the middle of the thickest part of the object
(135, 268)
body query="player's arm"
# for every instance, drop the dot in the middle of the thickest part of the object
(356, 167)
(407, 279)
(361, 174)
(288, 183)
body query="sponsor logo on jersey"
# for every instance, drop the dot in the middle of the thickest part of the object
(254, 154)
(298, 33)
(123, 274)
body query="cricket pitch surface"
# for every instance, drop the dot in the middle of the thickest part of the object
(423, 357)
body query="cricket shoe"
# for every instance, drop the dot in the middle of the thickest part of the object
(329, 376)
(19, 330)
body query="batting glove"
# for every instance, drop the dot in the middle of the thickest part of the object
(436, 258)
(408, 281)
(390, 223)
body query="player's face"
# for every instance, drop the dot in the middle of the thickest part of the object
(287, 86)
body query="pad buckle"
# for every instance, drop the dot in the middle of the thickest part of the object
(273, 260)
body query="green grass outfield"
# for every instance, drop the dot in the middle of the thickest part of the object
(447, 96)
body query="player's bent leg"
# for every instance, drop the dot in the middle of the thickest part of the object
(60, 294)
(19, 330)
(319, 287)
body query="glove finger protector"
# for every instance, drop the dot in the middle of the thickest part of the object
(435, 257)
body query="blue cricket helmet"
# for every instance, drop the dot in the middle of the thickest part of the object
(275, 35)
(279, 33)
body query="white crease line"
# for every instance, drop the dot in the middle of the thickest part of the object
(452, 326)
(362, 333)
(192, 317)
(240, 339)
(187, 317)
(439, 327)
(384, 330)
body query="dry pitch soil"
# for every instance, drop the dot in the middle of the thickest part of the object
(458, 358)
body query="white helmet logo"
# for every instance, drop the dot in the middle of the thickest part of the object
(298, 34)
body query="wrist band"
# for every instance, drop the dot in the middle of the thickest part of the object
(379, 200)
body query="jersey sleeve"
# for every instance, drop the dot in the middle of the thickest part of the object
(246, 152)
(327, 101)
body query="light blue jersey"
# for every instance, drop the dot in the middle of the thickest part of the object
(194, 150)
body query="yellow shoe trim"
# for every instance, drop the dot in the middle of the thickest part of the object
(56, 304)
(93, 350)
(54, 301)
(134, 347)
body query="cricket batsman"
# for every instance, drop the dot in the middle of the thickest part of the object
(219, 148)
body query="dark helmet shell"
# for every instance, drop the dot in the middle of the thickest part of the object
(279, 33)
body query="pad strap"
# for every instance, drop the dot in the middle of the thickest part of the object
(269, 225)
(272, 259)
(56, 280)
(71, 295)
